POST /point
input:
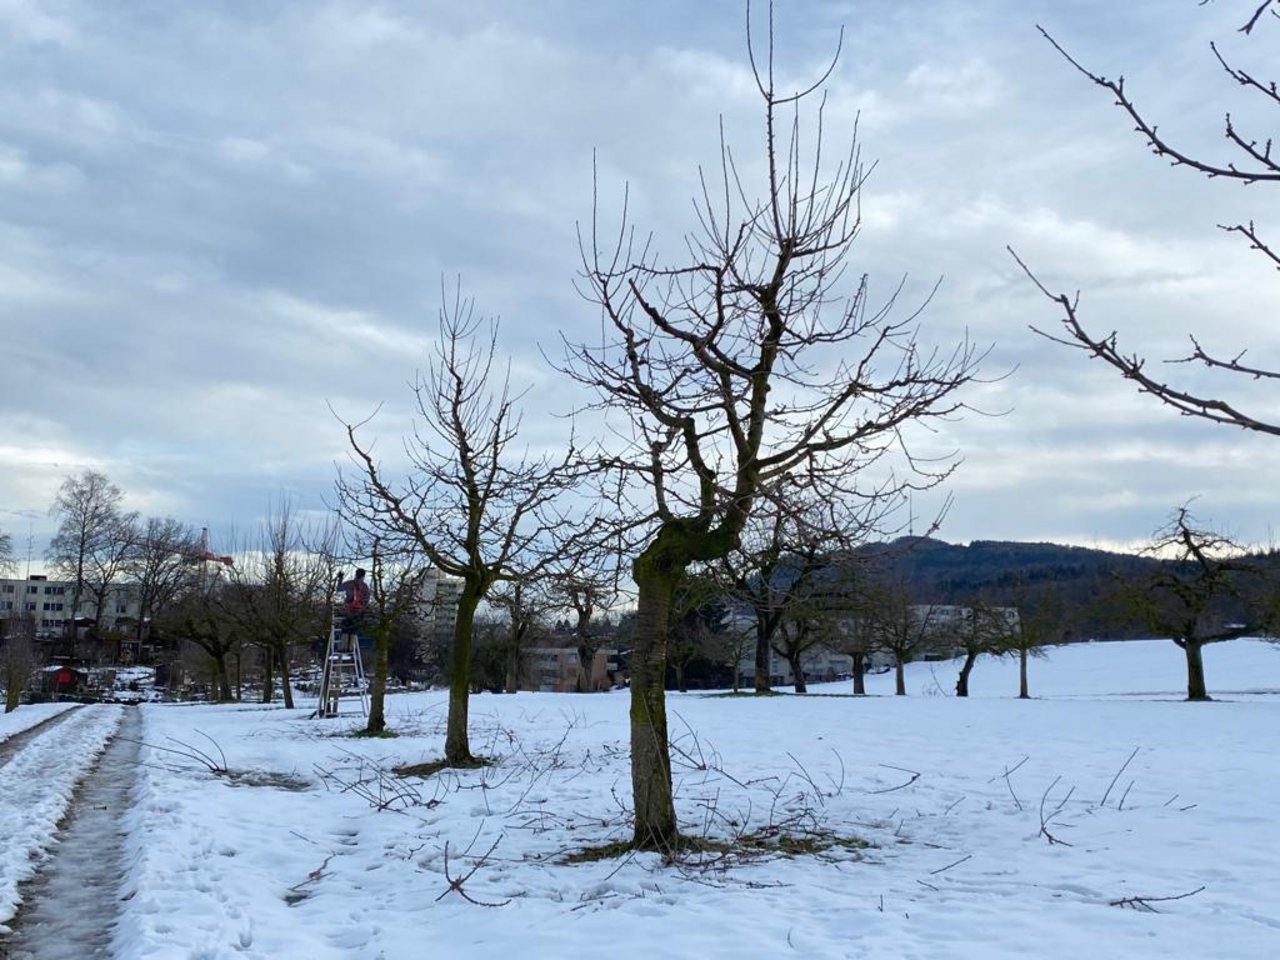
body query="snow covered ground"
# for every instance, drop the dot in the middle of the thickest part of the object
(311, 849)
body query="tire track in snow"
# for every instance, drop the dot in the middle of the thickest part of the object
(11, 746)
(71, 907)
(37, 786)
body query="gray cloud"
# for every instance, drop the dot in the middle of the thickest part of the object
(216, 220)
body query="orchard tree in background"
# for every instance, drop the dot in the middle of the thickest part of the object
(1249, 161)
(794, 550)
(525, 603)
(756, 358)
(1193, 597)
(902, 629)
(476, 506)
(589, 580)
(1039, 623)
(279, 591)
(395, 588)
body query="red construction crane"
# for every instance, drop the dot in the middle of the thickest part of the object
(205, 554)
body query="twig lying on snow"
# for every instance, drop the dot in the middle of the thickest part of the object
(914, 777)
(455, 883)
(1144, 903)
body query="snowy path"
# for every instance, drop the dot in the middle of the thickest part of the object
(69, 910)
(37, 782)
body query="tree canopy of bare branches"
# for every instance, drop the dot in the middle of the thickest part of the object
(476, 506)
(755, 358)
(1252, 163)
(94, 537)
(1188, 598)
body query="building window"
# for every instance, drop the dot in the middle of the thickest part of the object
(33, 589)
(6, 604)
(7, 588)
(53, 606)
(28, 606)
(55, 590)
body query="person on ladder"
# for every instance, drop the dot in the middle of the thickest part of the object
(355, 604)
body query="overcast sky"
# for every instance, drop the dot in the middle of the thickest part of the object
(217, 219)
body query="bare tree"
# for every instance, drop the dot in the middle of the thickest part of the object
(980, 631)
(278, 593)
(476, 507)
(899, 627)
(525, 603)
(589, 578)
(395, 583)
(162, 564)
(89, 546)
(203, 615)
(1192, 598)
(1253, 163)
(6, 552)
(748, 362)
(1035, 624)
(790, 559)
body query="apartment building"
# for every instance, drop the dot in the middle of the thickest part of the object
(49, 604)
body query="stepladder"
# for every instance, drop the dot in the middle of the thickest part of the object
(342, 674)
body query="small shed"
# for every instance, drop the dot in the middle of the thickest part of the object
(59, 679)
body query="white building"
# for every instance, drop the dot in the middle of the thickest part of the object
(437, 607)
(49, 604)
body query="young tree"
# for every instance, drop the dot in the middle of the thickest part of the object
(900, 628)
(979, 632)
(1035, 623)
(1253, 163)
(395, 585)
(475, 506)
(1192, 597)
(279, 593)
(746, 363)
(525, 603)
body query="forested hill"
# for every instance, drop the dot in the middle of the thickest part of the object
(1082, 583)
(949, 573)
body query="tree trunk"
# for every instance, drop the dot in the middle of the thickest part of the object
(900, 679)
(286, 682)
(859, 675)
(655, 814)
(966, 668)
(586, 660)
(512, 679)
(378, 682)
(268, 679)
(12, 692)
(763, 680)
(1196, 689)
(222, 681)
(1023, 693)
(797, 673)
(457, 748)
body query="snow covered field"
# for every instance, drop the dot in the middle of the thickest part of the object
(915, 842)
